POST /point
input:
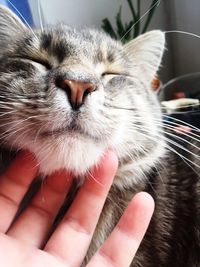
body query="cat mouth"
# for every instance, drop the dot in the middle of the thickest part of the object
(71, 131)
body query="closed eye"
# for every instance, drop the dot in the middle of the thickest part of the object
(42, 62)
(110, 76)
(111, 73)
(115, 74)
(45, 63)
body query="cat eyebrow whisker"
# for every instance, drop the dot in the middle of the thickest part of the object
(183, 32)
(40, 14)
(23, 18)
(152, 7)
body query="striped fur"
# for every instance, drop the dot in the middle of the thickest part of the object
(122, 114)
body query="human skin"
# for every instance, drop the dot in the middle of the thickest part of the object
(25, 242)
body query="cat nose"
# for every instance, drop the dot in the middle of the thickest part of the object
(76, 91)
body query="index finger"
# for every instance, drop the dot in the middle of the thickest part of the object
(71, 239)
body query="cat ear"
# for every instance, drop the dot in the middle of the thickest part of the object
(146, 53)
(10, 24)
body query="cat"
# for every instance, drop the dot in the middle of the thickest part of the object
(68, 95)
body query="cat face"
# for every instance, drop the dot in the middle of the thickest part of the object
(68, 95)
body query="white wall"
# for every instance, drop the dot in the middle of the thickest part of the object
(88, 12)
(76, 12)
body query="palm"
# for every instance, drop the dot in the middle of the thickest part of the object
(17, 253)
(24, 243)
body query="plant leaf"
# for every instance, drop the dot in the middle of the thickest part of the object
(120, 27)
(132, 9)
(137, 23)
(107, 27)
(152, 8)
(128, 31)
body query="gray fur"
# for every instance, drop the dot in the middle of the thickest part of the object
(122, 114)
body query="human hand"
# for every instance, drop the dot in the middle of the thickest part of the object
(23, 243)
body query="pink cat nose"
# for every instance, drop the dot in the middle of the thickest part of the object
(76, 91)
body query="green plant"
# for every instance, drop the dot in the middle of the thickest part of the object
(129, 30)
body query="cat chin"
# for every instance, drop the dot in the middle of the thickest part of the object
(74, 155)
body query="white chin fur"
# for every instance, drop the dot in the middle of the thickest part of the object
(75, 155)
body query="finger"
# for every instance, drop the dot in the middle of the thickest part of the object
(71, 239)
(41, 211)
(121, 246)
(13, 185)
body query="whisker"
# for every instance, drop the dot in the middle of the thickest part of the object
(165, 125)
(169, 147)
(168, 140)
(40, 15)
(152, 7)
(23, 18)
(93, 178)
(166, 116)
(6, 113)
(182, 106)
(183, 122)
(172, 126)
(37, 134)
(20, 136)
(19, 121)
(180, 138)
(171, 141)
(163, 108)
(183, 32)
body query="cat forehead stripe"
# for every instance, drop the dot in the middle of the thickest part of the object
(56, 46)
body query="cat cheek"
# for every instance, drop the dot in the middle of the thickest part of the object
(97, 97)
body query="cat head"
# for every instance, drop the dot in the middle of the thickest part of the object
(70, 94)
